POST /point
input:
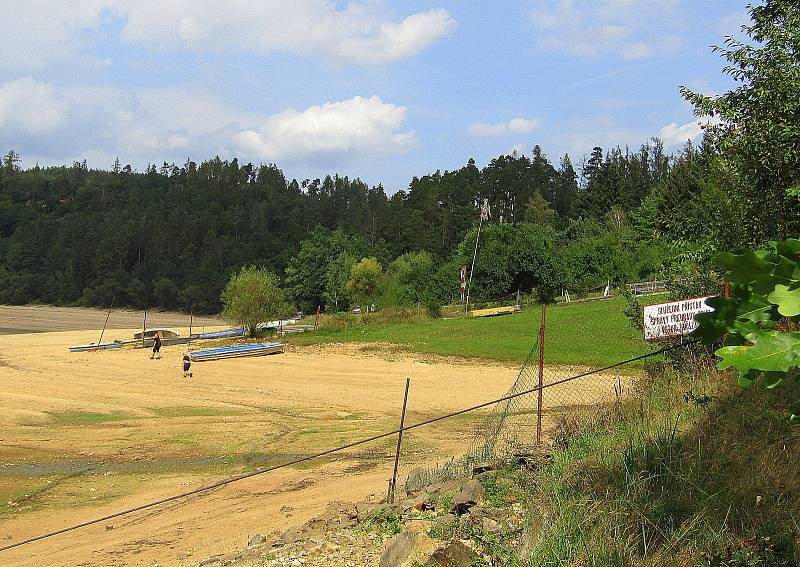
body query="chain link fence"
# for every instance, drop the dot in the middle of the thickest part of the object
(569, 384)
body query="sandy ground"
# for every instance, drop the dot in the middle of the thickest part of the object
(83, 435)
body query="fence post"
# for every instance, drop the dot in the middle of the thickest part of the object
(393, 482)
(144, 325)
(541, 376)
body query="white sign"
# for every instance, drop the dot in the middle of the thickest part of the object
(673, 318)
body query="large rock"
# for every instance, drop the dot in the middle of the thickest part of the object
(406, 549)
(452, 554)
(256, 539)
(471, 494)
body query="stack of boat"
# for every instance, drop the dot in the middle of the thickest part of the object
(93, 346)
(254, 349)
(222, 334)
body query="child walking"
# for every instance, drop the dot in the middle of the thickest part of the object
(156, 347)
(187, 364)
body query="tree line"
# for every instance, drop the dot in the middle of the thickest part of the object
(172, 236)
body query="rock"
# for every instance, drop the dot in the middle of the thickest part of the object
(470, 495)
(483, 467)
(421, 526)
(256, 539)
(491, 526)
(452, 554)
(445, 521)
(406, 549)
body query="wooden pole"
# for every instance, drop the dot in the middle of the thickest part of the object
(144, 325)
(191, 316)
(106, 323)
(541, 376)
(393, 483)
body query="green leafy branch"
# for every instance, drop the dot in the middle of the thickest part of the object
(759, 322)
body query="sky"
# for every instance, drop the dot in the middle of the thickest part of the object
(380, 90)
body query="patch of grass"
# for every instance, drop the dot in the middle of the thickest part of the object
(191, 411)
(384, 521)
(88, 417)
(576, 334)
(188, 439)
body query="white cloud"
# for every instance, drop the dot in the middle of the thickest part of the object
(62, 124)
(341, 131)
(674, 134)
(631, 29)
(37, 33)
(27, 105)
(398, 41)
(513, 126)
(356, 33)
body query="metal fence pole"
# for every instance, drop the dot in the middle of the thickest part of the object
(393, 482)
(541, 376)
(144, 325)
(103, 332)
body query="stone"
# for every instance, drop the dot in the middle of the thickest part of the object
(419, 525)
(452, 554)
(445, 521)
(483, 467)
(256, 539)
(471, 494)
(406, 549)
(491, 526)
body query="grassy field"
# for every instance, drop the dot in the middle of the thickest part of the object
(595, 333)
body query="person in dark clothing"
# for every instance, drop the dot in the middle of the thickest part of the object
(156, 347)
(187, 364)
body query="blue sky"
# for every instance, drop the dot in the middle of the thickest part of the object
(379, 90)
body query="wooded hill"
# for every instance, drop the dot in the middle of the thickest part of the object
(172, 236)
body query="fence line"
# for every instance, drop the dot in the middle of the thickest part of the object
(509, 398)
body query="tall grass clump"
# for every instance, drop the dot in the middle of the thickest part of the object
(687, 469)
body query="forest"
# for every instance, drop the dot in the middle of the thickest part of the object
(171, 236)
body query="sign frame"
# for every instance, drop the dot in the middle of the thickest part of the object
(659, 338)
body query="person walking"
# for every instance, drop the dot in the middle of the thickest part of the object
(156, 347)
(187, 365)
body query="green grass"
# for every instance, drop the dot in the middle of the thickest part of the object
(192, 411)
(690, 470)
(593, 334)
(88, 417)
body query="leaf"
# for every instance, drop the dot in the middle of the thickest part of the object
(744, 268)
(772, 379)
(747, 379)
(794, 410)
(770, 352)
(785, 272)
(787, 300)
(745, 328)
(789, 247)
